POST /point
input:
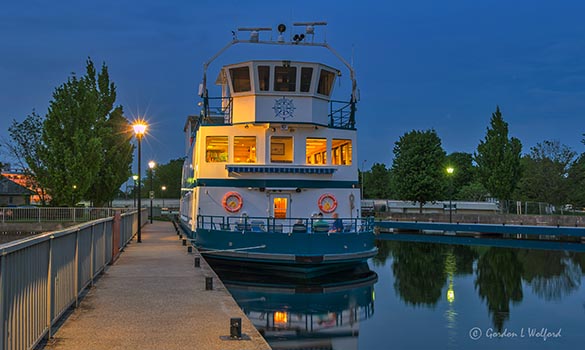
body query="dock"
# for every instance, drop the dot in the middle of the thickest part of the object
(153, 297)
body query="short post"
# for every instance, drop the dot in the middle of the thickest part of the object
(190, 249)
(184, 242)
(208, 283)
(235, 328)
(197, 262)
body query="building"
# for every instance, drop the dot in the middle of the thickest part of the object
(13, 194)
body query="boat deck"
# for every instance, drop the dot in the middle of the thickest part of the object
(154, 298)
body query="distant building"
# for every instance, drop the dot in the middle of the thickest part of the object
(13, 194)
(27, 181)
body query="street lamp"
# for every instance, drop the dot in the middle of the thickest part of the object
(151, 165)
(450, 171)
(135, 178)
(139, 127)
(164, 188)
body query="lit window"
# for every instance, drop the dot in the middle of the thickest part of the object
(240, 79)
(245, 149)
(263, 78)
(281, 149)
(316, 151)
(285, 78)
(341, 152)
(325, 82)
(216, 149)
(306, 75)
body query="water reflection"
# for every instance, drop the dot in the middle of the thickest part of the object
(302, 314)
(423, 271)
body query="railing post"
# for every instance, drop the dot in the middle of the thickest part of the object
(91, 257)
(50, 289)
(2, 297)
(74, 212)
(76, 269)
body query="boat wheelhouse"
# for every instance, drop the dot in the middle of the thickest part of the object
(271, 172)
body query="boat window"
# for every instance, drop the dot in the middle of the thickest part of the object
(216, 149)
(306, 75)
(316, 151)
(325, 82)
(281, 149)
(285, 78)
(244, 149)
(341, 152)
(264, 78)
(240, 79)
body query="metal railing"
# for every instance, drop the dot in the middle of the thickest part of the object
(42, 276)
(46, 214)
(287, 225)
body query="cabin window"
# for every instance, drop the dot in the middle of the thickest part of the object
(216, 149)
(244, 149)
(240, 79)
(325, 82)
(263, 78)
(281, 149)
(285, 78)
(341, 152)
(316, 151)
(306, 75)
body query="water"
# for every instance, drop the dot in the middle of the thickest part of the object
(426, 295)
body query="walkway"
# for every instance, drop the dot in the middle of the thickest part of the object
(154, 298)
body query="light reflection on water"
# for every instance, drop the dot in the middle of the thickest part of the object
(429, 295)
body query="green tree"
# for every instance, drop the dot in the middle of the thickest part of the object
(545, 175)
(473, 191)
(84, 141)
(377, 182)
(418, 168)
(576, 181)
(464, 172)
(168, 175)
(498, 159)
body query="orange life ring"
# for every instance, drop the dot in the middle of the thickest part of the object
(232, 202)
(327, 203)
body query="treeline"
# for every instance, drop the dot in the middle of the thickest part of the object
(550, 172)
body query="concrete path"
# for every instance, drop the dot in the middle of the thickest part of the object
(154, 298)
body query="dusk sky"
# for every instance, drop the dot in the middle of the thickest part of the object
(419, 64)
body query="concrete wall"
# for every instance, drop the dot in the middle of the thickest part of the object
(509, 219)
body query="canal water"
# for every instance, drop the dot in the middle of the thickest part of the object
(425, 296)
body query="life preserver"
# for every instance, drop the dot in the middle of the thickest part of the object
(327, 203)
(232, 202)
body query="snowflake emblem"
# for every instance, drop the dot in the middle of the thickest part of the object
(283, 108)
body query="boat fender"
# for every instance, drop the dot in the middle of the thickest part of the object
(327, 203)
(232, 202)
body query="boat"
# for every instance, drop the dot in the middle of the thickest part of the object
(271, 171)
(304, 314)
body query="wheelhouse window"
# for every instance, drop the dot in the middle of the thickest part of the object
(263, 78)
(281, 149)
(216, 149)
(285, 78)
(325, 82)
(316, 151)
(244, 149)
(241, 79)
(306, 75)
(341, 152)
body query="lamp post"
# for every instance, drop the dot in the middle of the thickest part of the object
(164, 188)
(135, 178)
(139, 130)
(151, 165)
(450, 171)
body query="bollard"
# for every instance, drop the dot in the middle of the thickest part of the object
(197, 262)
(208, 283)
(180, 236)
(184, 242)
(190, 249)
(235, 328)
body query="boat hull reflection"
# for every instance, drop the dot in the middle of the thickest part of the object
(295, 313)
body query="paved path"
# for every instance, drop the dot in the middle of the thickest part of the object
(154, 298)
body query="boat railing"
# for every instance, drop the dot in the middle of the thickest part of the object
(217, 110)
(279, 225)
(342, 114)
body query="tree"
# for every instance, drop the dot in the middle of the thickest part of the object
(85, 147)
(546, 170)
(464, 172)
(576, 181)
(377, 182)
(418, 168)
(498, 159)
(168, 175)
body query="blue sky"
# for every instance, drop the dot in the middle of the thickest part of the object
(420, 64)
